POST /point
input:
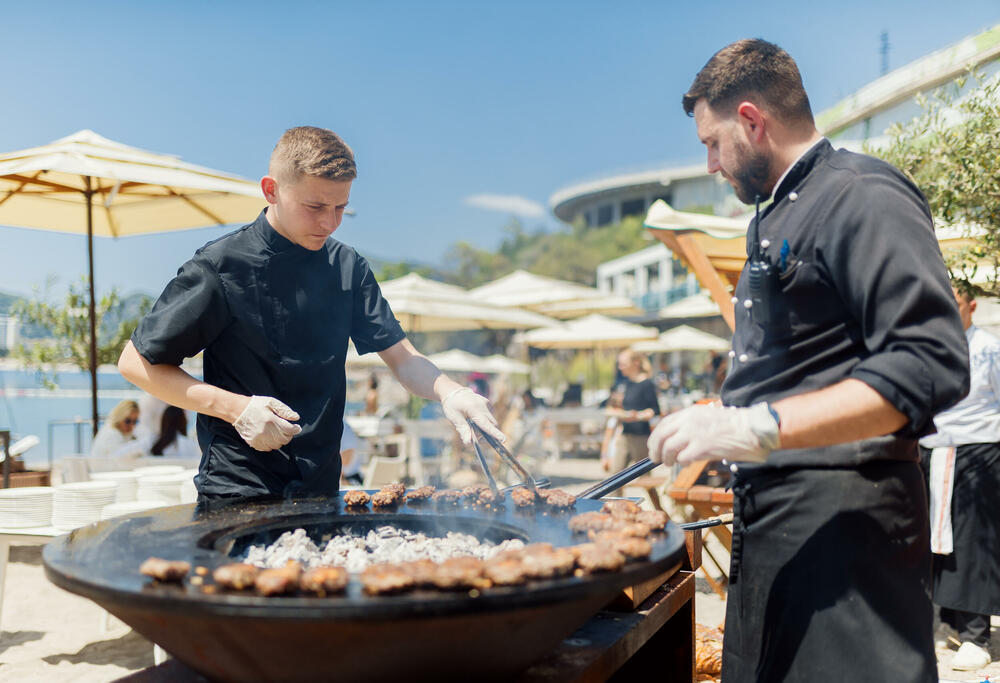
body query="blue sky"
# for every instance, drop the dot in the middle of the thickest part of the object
(443, 102)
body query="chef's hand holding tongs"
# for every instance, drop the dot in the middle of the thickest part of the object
(464, 405)
(716, 432)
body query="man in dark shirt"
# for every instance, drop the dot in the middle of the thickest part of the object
(273, 306)
(847, 342)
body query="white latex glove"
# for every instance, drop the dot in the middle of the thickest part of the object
(463, 405)
(715, 432)
(264, 423)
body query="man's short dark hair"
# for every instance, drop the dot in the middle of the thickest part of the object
(753, 70)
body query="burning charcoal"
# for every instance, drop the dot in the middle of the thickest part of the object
(507, 570)
(523, 497)
(460, 572)
(422, 571)
(592, 558)
(631, 547)
(655, 519)
(420, 495)
(447, 497)
(621, 509)
(356, 499)
(587, 521)
(165, 570)
(237, 576)
(381, 579)
(558, 499)
(542, 561)
(279, 581)
(324, 580)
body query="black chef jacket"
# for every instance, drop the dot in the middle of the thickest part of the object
(861, 292)
(273, 319)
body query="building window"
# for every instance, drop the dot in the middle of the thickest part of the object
(633, 207)
(604, 214)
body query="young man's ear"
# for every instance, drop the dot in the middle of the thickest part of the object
(269, 186)
(752, 120)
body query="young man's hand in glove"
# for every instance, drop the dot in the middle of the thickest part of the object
(716, 432)
(463, 405)
(265, 423)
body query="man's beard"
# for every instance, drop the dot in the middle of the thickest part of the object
(751, 174)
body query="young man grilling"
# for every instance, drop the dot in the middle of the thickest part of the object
(847, 342)
(273, 305)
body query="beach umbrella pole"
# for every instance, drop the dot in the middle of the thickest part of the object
(90, 307)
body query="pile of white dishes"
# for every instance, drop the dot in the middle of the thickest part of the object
(157, 469)
(127, 508)
(80, 503)
(127, 480)
(162, 488)
(21, 508)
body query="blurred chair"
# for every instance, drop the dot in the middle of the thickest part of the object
(382, 470)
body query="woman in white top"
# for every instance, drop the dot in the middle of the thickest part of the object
(116, 439)
(173, 441)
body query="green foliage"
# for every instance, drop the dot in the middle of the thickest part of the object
(952, 153)
(69, 327)
(594, 369)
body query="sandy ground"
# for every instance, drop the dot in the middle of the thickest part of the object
(51, 635)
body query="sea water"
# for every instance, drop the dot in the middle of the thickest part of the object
(28, 407)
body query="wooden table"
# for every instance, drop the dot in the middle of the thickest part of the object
(705, 501)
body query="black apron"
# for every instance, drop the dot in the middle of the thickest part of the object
(829, 579)
(969, 578)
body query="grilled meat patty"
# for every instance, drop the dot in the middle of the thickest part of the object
(324, 580)
(382, 579)
(420, 495)
(523, 497)
(237, 576)
(460, 572)
(557, 498)
(356, 498)
(165, 570)
(631, 547)
(594, 557)
(279, 581)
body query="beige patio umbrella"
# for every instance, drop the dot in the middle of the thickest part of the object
(87, 184)
(682, 338)
(694, 306)
(591, 332)
(457, 360)
(502, 365)
(423, 305)
(552, 297)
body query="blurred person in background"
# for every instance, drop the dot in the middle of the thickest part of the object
(371, 396)
(116, 438)
(962, 466)
(639, 405)
(173, 440)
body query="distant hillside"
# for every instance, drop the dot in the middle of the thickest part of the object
(6, 301)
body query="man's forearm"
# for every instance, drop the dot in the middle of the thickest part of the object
(178, 388)
(416, 373)
(847, 411)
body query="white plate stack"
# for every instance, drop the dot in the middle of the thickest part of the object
(157, 469)
(128, 483)
(127, 508)
(80, 503)
(162, 488)
(22, 508)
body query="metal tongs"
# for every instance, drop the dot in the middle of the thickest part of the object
(506, 456)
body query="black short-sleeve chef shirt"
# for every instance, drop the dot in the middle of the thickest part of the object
(273, 319)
